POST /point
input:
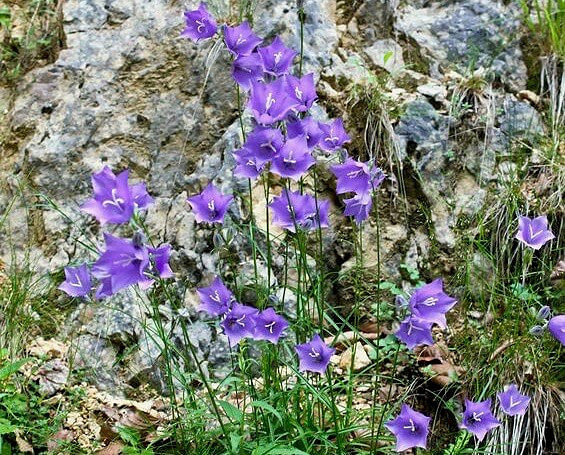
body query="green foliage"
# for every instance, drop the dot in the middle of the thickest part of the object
(547, 25)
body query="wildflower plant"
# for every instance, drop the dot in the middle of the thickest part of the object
(282, 360)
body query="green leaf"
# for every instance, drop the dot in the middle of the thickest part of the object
(6, 427)
(387, 56)
(11, 368)
(274, 449)
(235, 440)
(232, 412)
(267, 407)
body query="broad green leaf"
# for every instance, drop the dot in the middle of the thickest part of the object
(232, 412)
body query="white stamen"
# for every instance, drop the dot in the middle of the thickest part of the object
(430, 301)
(411, 427)
(78, 283)
(126, 260)
(512, 403)
(290, 159)
(533, 234)
(115, 201)
(354, 174)
(332, 139)
(278, 57)
(477, 416)
(314, 354)
(270, 101)
(212, 205)
(269, 145)
(270, 326)
(200, 27)
(240, 40)
(215, 297)
(298, 93)
(411, 327)
(239, 321)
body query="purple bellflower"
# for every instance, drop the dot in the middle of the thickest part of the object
(430, 303)
(512, 401)
(333, 135)
(239, 323)
(478, 418)
(264, 143)
(216, 299)
(269, 102)
(240, 39)
(314, 355)
(307, 127)
(292, 209)
(534, 232)
(557, 328)
(269, 326)
(410, 429)
(294, 159)
(276, 57)
(160, 258)
(414, 331)
(200, 24)
(77, 281)
(211, 205)
(114, 200)
(248, 165)
(352, 177)
(302, 91)
(358, 207)
(247, 69)
(123, 263)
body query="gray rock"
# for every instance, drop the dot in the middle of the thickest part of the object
(386, 54)
(468, 34)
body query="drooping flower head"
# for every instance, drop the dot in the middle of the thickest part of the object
(292, 209)
(77, 281)
(557, 328)
(239, 322)
(269, 102)
(211, 205)
(159, 257)
(359, 207)
(307, 127)
(302, 91)
(122, 264)
(200, 24)
(276, 57)
(314, 355)
(269, 326)
(410, 429)
(478, 418)
(114, 200)
(430, 303)
(414, 331)
(534, 232)
(264, 143)
(512, 401)
(240, 39)
(216, 299)
(247, 69)
(333, 135)
(248, 165)
(294, 159)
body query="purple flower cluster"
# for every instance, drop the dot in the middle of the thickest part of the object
(428, 306)
(411, 428)
(124, 262)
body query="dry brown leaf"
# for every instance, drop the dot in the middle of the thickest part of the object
(114, 448)
(55, 441)
(23, 445)
(47, 348)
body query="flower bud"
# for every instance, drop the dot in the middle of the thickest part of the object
(273, 299)
(544, 313)
(400, 302)
(537, 330)
(218, 240)
(138, 239)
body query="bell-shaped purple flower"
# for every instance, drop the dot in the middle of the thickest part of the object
(216, 299)
(292, 209)
(410, 429)
(211, 205)
(77, 281)
(556, 327)
(352, 177)
(269, 102)
(264, 143)
(294, 159)
(113, 200)
(247, 69)
(240, 40)
(248, 165)
(314, 355)
(534, 232)
(430, 303)
(333, 135)
(122, 264)
(239, 323)
(307, 127)
(414, 331)
(358, 207)
(160, 258)
(276, 57)
(269, 326)
(478, 418)
(200, 24)
(512, 401)
(302, 91)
